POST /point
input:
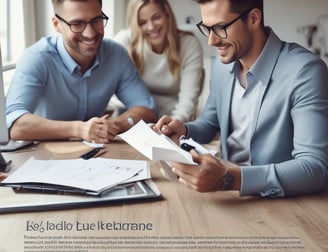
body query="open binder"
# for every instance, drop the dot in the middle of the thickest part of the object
(60, 184)
(140, 191)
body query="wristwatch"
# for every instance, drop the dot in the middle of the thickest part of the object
(227, 181)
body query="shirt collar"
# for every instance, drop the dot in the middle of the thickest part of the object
(265, 63)
(69, 62)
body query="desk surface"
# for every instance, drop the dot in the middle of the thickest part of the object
(183, 220)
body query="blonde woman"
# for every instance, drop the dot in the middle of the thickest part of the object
(169, 60)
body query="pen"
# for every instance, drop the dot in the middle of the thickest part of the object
(187, 147)
(101, 152)
(91, 153)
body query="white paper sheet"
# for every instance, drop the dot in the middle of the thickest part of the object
(93, 174)
(155, 146)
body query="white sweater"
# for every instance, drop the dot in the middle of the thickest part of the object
(177, 98)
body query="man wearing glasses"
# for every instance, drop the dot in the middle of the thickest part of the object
(63, 84)
(268, 100)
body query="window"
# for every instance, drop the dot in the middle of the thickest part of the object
(11, 29)
(11, 35)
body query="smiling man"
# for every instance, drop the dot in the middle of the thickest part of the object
(63, 84)
(268, 101)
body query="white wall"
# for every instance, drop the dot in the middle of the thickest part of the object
(44, 13)
(115, 9)
(288, 18)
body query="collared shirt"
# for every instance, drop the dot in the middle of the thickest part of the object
(49, 83)
(242, 114)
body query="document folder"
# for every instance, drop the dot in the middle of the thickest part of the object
(140, 191)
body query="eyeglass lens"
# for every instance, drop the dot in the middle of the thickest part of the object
(97, 23)
(219, 31)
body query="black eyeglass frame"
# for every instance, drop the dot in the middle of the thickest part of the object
(215, 28)
(104, 17)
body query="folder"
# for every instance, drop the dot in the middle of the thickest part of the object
(138, 191)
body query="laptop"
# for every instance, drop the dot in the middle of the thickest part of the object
(5, 143)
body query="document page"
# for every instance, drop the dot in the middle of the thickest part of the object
(95, 174)
(155, 146)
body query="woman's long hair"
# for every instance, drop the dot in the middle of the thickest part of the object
(137, 40)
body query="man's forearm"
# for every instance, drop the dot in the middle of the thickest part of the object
(33, 127)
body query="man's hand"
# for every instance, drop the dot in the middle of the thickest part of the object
(172, 128)
(99, 130)
(207, 175)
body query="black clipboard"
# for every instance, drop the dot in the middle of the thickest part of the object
(12, 201)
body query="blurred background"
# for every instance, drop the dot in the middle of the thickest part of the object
(22, 22)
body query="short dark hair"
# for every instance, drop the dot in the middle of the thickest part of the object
(57, 3)
(240, 6)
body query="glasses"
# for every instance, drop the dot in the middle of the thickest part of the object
(79, 26)
(219, 30)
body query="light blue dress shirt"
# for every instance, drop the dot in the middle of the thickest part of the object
(49, 83)
(289, 130)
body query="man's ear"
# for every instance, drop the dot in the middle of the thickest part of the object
(56, 25)
(255, 18)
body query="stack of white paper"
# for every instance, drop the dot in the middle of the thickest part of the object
(92, 176)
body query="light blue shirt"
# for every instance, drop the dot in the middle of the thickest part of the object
(49, 83)
(289, 136)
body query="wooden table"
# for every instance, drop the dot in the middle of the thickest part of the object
(183, 221)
